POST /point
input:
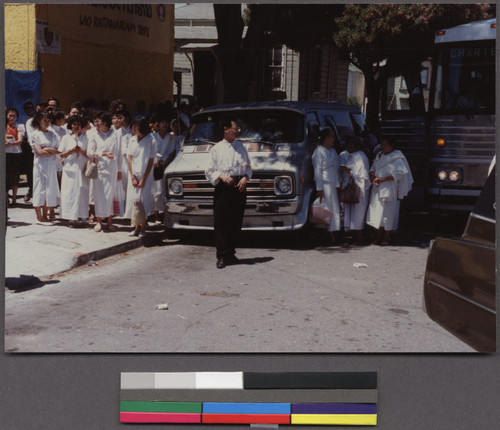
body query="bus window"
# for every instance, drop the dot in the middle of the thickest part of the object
(465, 78)
(398, 97)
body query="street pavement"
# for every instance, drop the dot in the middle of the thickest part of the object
(33, 252)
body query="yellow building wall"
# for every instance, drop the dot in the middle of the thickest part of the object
(85, 70)
(19, 28)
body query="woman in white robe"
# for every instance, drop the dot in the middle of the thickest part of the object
(45, 146)
(392, 180)
(355, 165)
(166, 147)
(326, 175)
(105, 144)
(74, 184)
(140, 155)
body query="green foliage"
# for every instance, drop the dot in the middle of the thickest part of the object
(369, 33)
(353, 101)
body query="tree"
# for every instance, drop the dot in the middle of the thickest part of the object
(401, 34)
(297, 26)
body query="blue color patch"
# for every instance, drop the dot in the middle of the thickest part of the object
(246, 408)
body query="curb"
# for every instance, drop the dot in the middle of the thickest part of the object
(83, 258)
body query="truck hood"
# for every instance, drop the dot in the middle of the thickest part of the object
(194, 159)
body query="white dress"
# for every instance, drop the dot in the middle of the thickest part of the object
(326, 174)
(124, 135)
(104, 187)
(74, 184)
(141, 151)
(354, 213)
(163, 148)
(45, 185)
(60, 133)
(383, 210)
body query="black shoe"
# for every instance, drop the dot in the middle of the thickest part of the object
(232, 260)
(221, 263)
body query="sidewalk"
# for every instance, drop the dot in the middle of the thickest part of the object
(33, 251)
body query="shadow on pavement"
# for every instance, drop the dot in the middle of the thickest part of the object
(26, 283)
(256, 260)
(15, 224)
(416, 229)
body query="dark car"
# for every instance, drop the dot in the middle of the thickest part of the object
(459, 286)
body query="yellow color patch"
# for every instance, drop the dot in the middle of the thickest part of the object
(336, 419)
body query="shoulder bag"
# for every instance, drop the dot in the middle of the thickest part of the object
(91, 170)
(351, 192)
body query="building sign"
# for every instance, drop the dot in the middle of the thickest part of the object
(146, 27)
(47, 42)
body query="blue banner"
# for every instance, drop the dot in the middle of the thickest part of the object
(21, 87)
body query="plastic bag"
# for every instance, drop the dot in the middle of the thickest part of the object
(320, 214)
(119, 200)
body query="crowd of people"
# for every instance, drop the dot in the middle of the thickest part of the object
(57, 149)
(356, 193)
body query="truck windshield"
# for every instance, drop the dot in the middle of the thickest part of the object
(465, 78)
(265, 126)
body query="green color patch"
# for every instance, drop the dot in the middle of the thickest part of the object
(172, 407)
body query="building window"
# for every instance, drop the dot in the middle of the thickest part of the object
(275, 68)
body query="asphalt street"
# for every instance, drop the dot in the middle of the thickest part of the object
(289, 294)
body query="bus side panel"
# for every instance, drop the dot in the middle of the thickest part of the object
(409, 134)
(469, 148)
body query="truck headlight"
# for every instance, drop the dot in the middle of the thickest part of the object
(175, 187)
(454, 176)
(283, 185)
(442, 175)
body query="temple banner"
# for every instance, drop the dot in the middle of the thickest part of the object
(146, 27)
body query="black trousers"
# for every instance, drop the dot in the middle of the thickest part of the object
(229, 207)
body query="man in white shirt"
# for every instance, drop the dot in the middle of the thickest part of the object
(229, 171)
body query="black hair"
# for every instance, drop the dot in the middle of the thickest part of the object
(113, 106)
(390, 140)
(324, 133)
(226, 122)
(38, 117)
(76, 105)
(56, 115)
(125, 113)
(355, 141)
(27, 104)
(76, 118)
(143, 123)
(10, 109)
(53, 98)
(104, 117)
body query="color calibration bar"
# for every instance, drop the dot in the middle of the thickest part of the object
(333, 398)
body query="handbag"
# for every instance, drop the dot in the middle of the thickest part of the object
(351, 192)
(320, 214)
(158, 172)
(91, 170)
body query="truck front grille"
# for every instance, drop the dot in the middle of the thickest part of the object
(260, 187)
